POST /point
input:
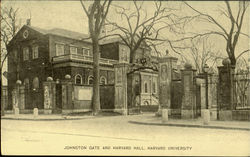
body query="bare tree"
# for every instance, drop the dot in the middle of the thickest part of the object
(231, 36)
(201, 52)
(140, 29)
(9, 27)
(96, 14)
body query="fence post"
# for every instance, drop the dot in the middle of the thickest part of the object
(189, 94)
(225, 89)
(212, 96)
(165, 82)
(35, 112)
(164, 115)
(67, 95)
(121, 104)
(49, 95)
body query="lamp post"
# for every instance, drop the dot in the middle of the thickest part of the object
(205, 68)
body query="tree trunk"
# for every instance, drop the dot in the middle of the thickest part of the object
(132, 57)
(96, 92)
(2, 104)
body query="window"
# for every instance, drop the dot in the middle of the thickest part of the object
(15, 54)
(25, 53)
(78, 79)
(73, 50)
(59, 49)
(90, 53)
(90, 80)
(35, 83)
(103, 80)
(26, 83)
(154, 87)
(145, 87)
(35, 52)
(124, 55)
(80, 52)
(86, 52)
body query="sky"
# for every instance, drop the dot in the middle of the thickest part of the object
(70, 15)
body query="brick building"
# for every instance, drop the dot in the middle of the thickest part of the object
(36, 54)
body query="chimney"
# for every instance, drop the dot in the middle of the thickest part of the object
(28, 22)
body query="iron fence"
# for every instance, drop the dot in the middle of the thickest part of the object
(241, 90)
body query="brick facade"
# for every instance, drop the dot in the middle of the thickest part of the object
(61, 52)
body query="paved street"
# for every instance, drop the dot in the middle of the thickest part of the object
(90, 135)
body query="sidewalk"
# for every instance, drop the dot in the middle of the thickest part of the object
(43, 117)
(141, 119)
(150, 119)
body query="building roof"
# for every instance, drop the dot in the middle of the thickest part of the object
(62, 32)
(74, 35)
(110, 40)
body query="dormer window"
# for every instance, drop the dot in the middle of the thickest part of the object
(59, 49)
(25, 53)
(34, 52)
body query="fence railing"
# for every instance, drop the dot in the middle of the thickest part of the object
(242, 90)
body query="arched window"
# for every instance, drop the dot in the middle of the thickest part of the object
(35, 83)
(78, 79)
(103, 80)
(26, 83)
(90, 79)
(145, 87)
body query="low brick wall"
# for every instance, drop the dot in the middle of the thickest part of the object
(243, 115)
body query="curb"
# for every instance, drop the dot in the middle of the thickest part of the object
(51, 119)
(190, 125)
(45, 119)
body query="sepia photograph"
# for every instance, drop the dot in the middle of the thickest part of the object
(125, 78)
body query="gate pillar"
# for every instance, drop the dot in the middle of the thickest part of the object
(14, 98)
(212, 96)
(18, 97)
(166, 65)
(202, 96)
(188, 109)
(22, 97)
(225, 90)
(67, 95)
(121, 104)
(49, 95)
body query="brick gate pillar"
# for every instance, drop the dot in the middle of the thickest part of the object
(202, 95)
(188, 109)
(225, 90)
(49, 88)
(21, 97)
(212, 96)
(14, 98)
(166, 65)
(67, 95)
(121, 104)
(18, 97)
